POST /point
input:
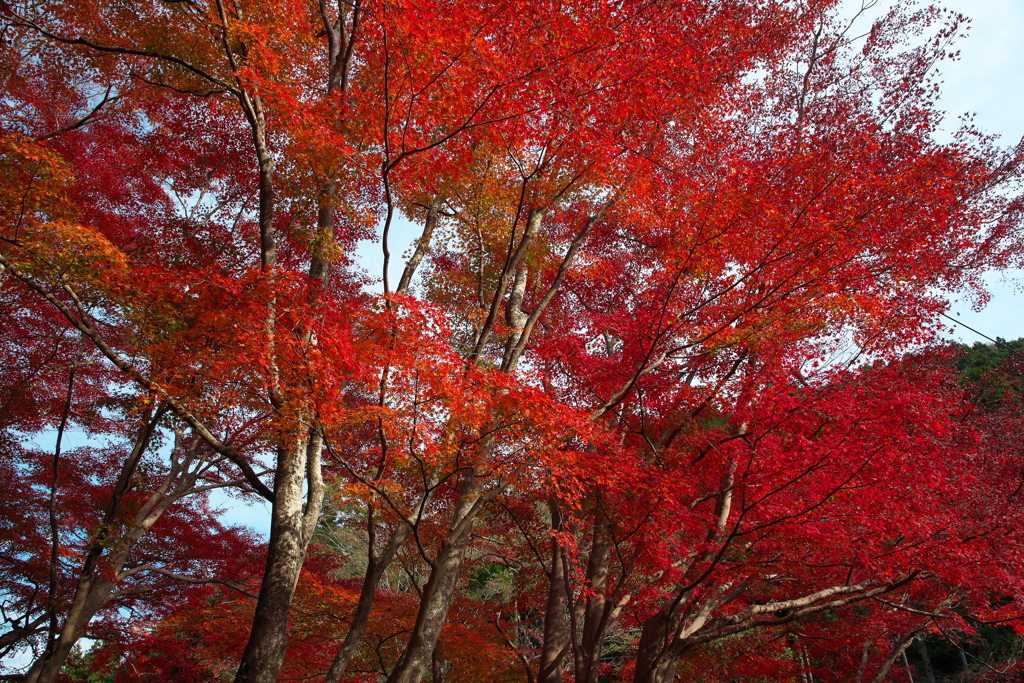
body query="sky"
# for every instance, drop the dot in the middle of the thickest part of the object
(988, 81)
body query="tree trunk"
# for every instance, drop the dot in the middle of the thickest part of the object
(286, 552)
(323, 241)
(926, 661)
(94, 590)
(291, 527)
(92, 593)
(422, 245)
(597, 612)
(374, 571)
(906, 665)
(439, 591)
(84, 606)
(651, 660)
(556, 624)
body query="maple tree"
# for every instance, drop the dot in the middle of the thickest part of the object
(77, 558)
(607, 382)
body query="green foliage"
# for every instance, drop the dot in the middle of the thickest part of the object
(994, 371)
(491, 580)
(82, 667)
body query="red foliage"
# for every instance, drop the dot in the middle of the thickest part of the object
(646, 409)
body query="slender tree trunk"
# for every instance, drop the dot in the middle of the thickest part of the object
(46, 668)
(805, 666)
(91, 591)
(906, 665)
(556, 618)
(864, 656)
(291, 525)
(54, 526)
(439, 591)
(374, 571)
(922, 649)
(898, 651)
(320, 264)
(422, 245)
(597, 611)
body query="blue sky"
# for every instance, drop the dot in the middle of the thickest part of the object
(987, 81)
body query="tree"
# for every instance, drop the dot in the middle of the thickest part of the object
(645, 226)
(75, 545)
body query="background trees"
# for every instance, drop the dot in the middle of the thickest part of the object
(636, 399)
